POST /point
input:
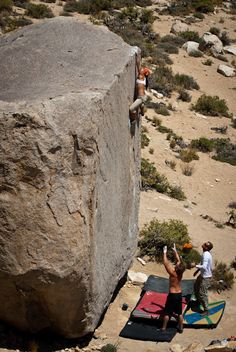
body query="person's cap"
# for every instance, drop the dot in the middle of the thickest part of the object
(146, 71)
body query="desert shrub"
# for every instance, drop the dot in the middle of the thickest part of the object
(191, 257)
(164, 129)
(144, 140)
(157, 234)
(185, 81)
(109, 348)
(162, 110)
(211, 106)
(233, 264)
(232, 205)
(196, 53)
(49, 1)
(168, 48)
(203, 6)
(190, 36)
(93, 6)
(10, 24)
(203, 144)
(225, 151)
(176, 192)
(223, 277)
(171, 164)
(162, 79)
(208, 62)
(215, 31)
(199, 15)
(172, 143)
(151, 150)
(225, 38)
(5, 5)
(156, 121)
(159, 57)
(187, 169)
(39, 11)
(173, 39)
(146, 16)
(187, 155)
(180, 8)
(184, 95)
(150, 178)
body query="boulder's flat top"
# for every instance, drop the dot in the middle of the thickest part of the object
(58, 56)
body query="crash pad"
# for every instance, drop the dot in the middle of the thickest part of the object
(161, 285)
(151, 305)
(193, 317)
(147, 332)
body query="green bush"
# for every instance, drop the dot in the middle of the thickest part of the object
(191, 257)
(10, 24)
(190, 36)
(211, 106)
(109, 348)
(146, 16)
(5, 5)
(185, 81)
(168, 48)
(162, 110)
(144, 140)
(203, 144)
(225, 39)
(204, 6)
(184, 96)
(208, 62)
(164, 129)
(157, 234)
(223, 277)
(176, 192)
(225, 151)
(199, 15)
(215, 31)
(173, 40)
(39, 11)
(196, 53)
(150, 178)
(233, 264)
(187, 169)
(188, 155)
(233, 122)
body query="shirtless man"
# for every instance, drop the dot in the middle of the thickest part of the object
(174, 298)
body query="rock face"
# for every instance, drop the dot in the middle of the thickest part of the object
(69, 174)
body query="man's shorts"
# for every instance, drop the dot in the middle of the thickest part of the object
(173, 304)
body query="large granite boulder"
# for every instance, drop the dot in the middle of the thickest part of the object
(69, 174)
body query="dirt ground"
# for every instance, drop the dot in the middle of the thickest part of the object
(209, 190)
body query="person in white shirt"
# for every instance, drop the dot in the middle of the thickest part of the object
(203, 280)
